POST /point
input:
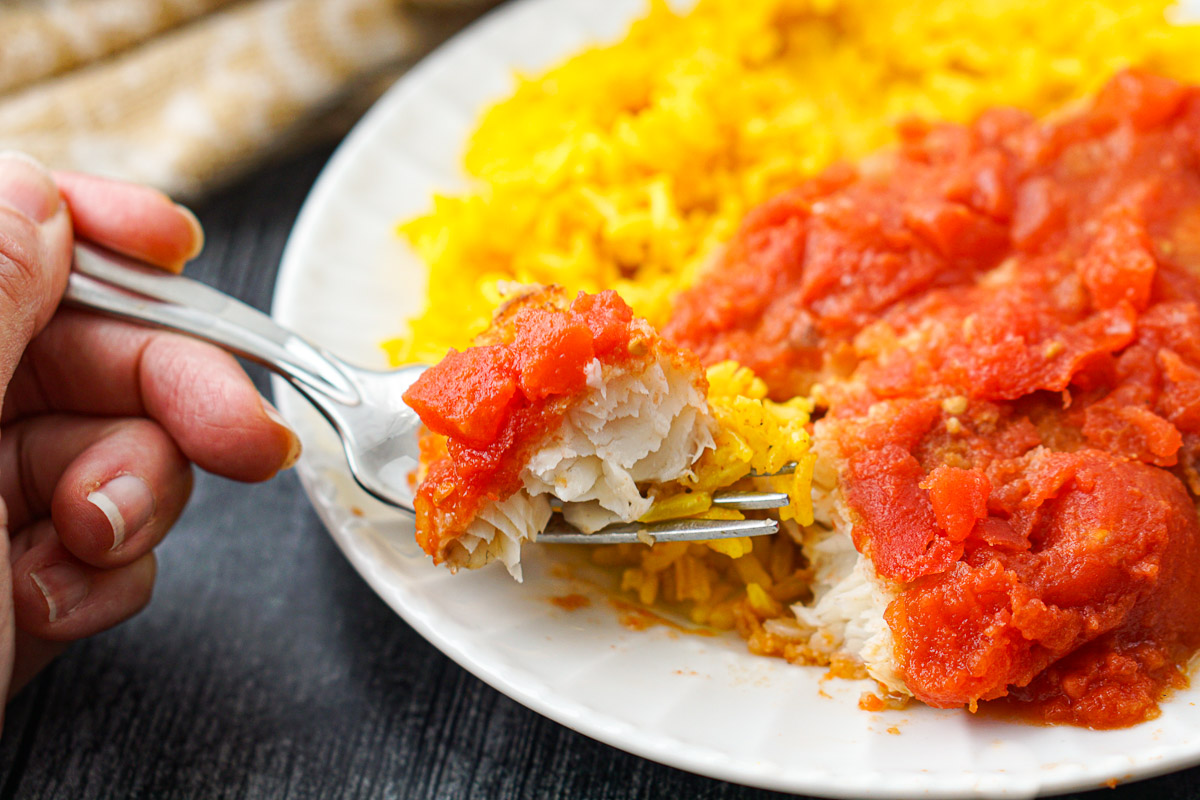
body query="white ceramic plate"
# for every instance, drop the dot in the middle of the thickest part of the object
(701, 704)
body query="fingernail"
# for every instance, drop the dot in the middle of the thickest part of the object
(294, 448)
(197, 232)
(128, 504)
(26, 187)
(63, 585)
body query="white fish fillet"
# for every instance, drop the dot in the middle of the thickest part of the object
(845, 615)
(648, 426)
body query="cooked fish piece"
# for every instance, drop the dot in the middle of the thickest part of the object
(576, 400)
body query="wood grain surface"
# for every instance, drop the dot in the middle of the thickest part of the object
(266, 668)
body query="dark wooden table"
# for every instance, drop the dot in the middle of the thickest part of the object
(266, 668)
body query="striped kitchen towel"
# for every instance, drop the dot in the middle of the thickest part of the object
(186, 94)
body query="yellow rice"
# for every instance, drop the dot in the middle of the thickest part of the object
(717, 581)
(626, 166)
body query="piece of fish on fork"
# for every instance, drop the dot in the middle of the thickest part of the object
(365, 407)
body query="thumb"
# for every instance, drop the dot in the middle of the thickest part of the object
(35, 255)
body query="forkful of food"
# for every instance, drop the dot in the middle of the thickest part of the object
(568, 420)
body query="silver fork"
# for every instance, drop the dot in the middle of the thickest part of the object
(365, 407)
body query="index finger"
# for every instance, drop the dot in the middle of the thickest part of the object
(85, 364)
(132, 219)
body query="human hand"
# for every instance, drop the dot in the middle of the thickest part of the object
(100, 421)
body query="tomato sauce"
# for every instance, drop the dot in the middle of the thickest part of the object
(1003, 320)
(486, 407)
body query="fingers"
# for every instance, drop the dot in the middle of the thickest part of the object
(118, 497)
(59, 598)
(113, 487)
(197, 393)
(135, 220)
(35, 254)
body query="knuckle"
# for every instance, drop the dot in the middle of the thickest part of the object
(145, 441)
(140, 428)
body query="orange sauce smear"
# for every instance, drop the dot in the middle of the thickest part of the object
(637, 618)
(571, 602)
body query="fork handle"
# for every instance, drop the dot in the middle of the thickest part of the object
(113, 284)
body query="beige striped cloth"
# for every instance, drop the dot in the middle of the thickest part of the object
(186, 94)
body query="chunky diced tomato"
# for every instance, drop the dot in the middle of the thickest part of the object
(608, 318)
(1141, 97)
(1041, 211)
(898, 524)
(998, 533)
(1132, 431)
(1181, 393)
(468, 395)
(552, 349)
(1120, 263)
(959, 498)
(954, 230)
